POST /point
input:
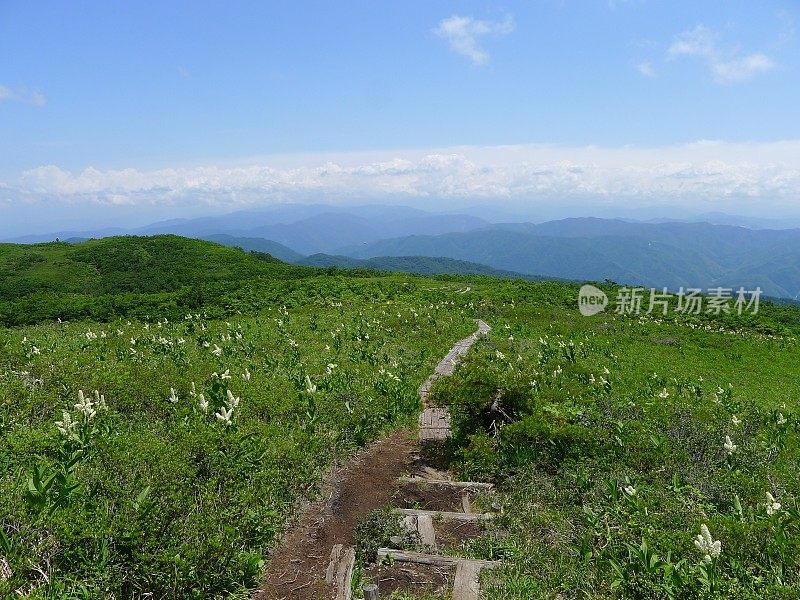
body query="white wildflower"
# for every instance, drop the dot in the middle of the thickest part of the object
(224, 415)
(729, 446)
(709, 547)
(310, 387)
(85, 406)
(173, 397)
(233, 401)
(203, 403)
(663, 394)
(35, 350)
(246, 375)
(329, 369)
(772, 505)
(226, 374)
(193, 390)
(66, 424)
(735, 420)
(629, 490)
(781, 419)
(100, 400)
(217, 351)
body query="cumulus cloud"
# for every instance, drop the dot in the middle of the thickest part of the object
(715, 172)
(464, 34)
(725, 66)
(23, 95)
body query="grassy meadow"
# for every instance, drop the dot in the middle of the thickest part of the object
(161, 417)
(617, 441)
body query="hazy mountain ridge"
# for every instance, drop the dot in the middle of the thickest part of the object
(653, 254)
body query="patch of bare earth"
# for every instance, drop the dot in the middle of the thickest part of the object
(417, 579)
(296, 568)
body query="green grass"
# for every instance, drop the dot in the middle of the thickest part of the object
(572, 443)
(152, 497)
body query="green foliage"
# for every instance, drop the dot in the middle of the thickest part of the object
(611, 450)
(132, 276)
(376, 531)
(227, 383)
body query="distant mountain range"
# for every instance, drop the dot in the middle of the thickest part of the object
(653, 254)
(305, 228)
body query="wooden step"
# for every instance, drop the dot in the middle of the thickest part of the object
(444, 515)
(340, 570)
(478, 485)
(422, 525)
(434, 424)
(432, 559)
(467, 584)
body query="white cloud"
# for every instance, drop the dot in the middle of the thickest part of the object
(464, 33)
(23, 95)
(742, 69)
(712, 172)
(646, 69)
(725, 65)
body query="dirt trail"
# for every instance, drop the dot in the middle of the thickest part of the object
(296, 570)
(368, 481)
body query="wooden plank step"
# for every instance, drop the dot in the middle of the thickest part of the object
(479, 485)
(432, 559)
(435, 417)
(340, 570)
(444, 515)
(467, 583)
(422, 525)
(434, 424)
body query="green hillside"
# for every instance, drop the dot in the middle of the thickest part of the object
(157, 440)
(123, 275)
(418, 265)
(255, 244)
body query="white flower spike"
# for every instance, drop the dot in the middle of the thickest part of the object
(707, 545)
(772, 505)
(224, 415)
(310, 387)
(85, 406)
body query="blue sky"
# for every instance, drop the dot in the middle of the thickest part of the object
(106, 104)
